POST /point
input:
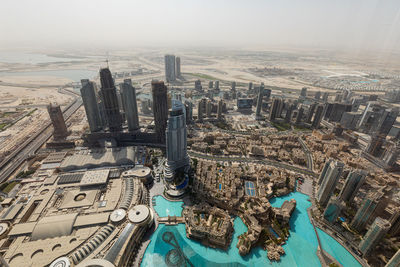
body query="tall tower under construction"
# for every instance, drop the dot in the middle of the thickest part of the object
(160, 108)
(110, 101)
(57, 119)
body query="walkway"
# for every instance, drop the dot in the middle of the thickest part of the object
(171, 220)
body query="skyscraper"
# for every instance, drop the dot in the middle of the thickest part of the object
(311, 111)
(391, 154)
(273, 113)
(110, 101)
(371, 117)
(324, 170)
(210, 85)
(169, 61)
(300, 113)
(219, 110)
(160, 108)
(208, 108)
(317, 95)
(374, 147)
(89, 98)
(289, 111)
(176, 134)
(130, 104)
(197, 85)
(325, 96)
(387, 120)
(329, 181)
(374, 235)
(395, 260)
(318, 116)
(189, 111)
(57, 119)
(216, 85)
(354, 181)
(395, 222)
(303, 92)
(233, 87)
(259, 102)
(250, 86)
(200, 110)
(366, 211)
(178, 67)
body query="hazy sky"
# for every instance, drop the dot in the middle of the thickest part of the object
(355, 24)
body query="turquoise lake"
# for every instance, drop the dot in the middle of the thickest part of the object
(300, 248)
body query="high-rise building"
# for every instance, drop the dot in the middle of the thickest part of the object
(160, 108)
(311, 111)
(387, 120)
(300, 113)
(233, 87)
(366, 211)
(57, 119)
(317, 95)
(208, 108)
(178, 67)
(334, 111)
(201, 109)
(355, 179)
(189, 111)
(350, 120)
(259, 103)
(395, 260)
(219, 110)
(303, 92)
(169, 61)
(250, 86)
(289, 111)
(391, 154)
(130, 104)
(273, 113)
(395, 222)
(88, 93)
(197, 85)
(371, 117)
(338, 97)
(374, 235)
(329, 181)
(318, 116)
(216, 85)
(324, 170)
(210, 85)
(176, 134)
(374, 147)
(110, 101)
(333, 209)
(325, 96)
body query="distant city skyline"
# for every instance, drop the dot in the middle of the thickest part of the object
(353, 25)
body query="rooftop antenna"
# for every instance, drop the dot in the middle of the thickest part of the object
(107, 63)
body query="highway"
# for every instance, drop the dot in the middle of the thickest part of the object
(254, 160)
(32, 144)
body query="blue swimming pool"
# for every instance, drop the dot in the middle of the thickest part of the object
(300, 247)
(165, 207)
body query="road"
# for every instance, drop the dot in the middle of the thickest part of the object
(254, 160)
(32, 144)
(310, 163)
